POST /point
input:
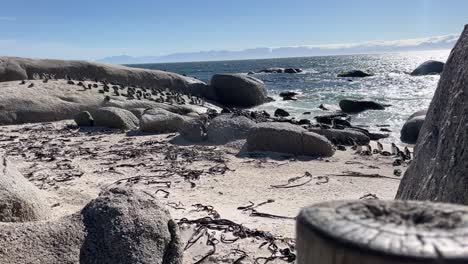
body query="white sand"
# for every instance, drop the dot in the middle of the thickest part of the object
(250, 180)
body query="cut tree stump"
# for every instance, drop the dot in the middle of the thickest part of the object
(382, 232)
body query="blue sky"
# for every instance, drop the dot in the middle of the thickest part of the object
(92, 29)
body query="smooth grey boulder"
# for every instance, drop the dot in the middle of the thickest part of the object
(347, 137)
(357, 106)
(227, 127)
(239, 90)
(193, 130)
(20, 200)
(429, 67)
(84, 119)
(121, 226)
(410, 131)
(16, 68)
(281, 113)
(354, 73)
(439, 169)
(160, 121)
(289, 139)
(113, 117)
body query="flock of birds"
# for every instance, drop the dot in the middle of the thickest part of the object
(131, 92)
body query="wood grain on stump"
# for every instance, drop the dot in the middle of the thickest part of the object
(381, 232)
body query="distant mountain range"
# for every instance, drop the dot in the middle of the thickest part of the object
(417, 44)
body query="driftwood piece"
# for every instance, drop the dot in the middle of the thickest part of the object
(382, 232)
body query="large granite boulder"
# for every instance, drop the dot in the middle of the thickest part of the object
(113, 117)
(439, 169)
(410, 130)
(120, 226)
(239, 90)
(347, 137)
(227, 127)
(289, 139)
(357, 106)
(429, 67)
(20, 200)
(160, 121)
(193, 130)
(354, 73)
(57, 100)
(15, 68)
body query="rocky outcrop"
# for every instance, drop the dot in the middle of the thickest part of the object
(357, 106)
(239, 90)
(227, 127)
(289, 139)
(120, 226)
(20, 200)
(429, 67)
(281, 113)
(347, 137)
(354, 73)
(113, 117)
(160, 121)
(438, 171)
(281, 70)
(410, 131)
(56, 100)
(288, 96)
(15, 68)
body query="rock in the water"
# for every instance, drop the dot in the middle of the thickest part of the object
(429, 67)
(439, 169)
(193, 130)
(113, 117)
(357, 106)
(239, 90)
(289, 139)
(272, 70)
(84, 119)
(292, 70)
(20, 200)
(354, 73)
(226, 128)
(120, 226)
(288, 94)
(160, 121)
(347, 137)
(329, 107)
(281, 113)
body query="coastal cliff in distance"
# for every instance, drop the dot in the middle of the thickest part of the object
(419, 44)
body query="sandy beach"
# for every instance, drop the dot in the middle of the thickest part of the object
(261, 191)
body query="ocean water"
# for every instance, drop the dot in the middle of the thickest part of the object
(391, 83)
